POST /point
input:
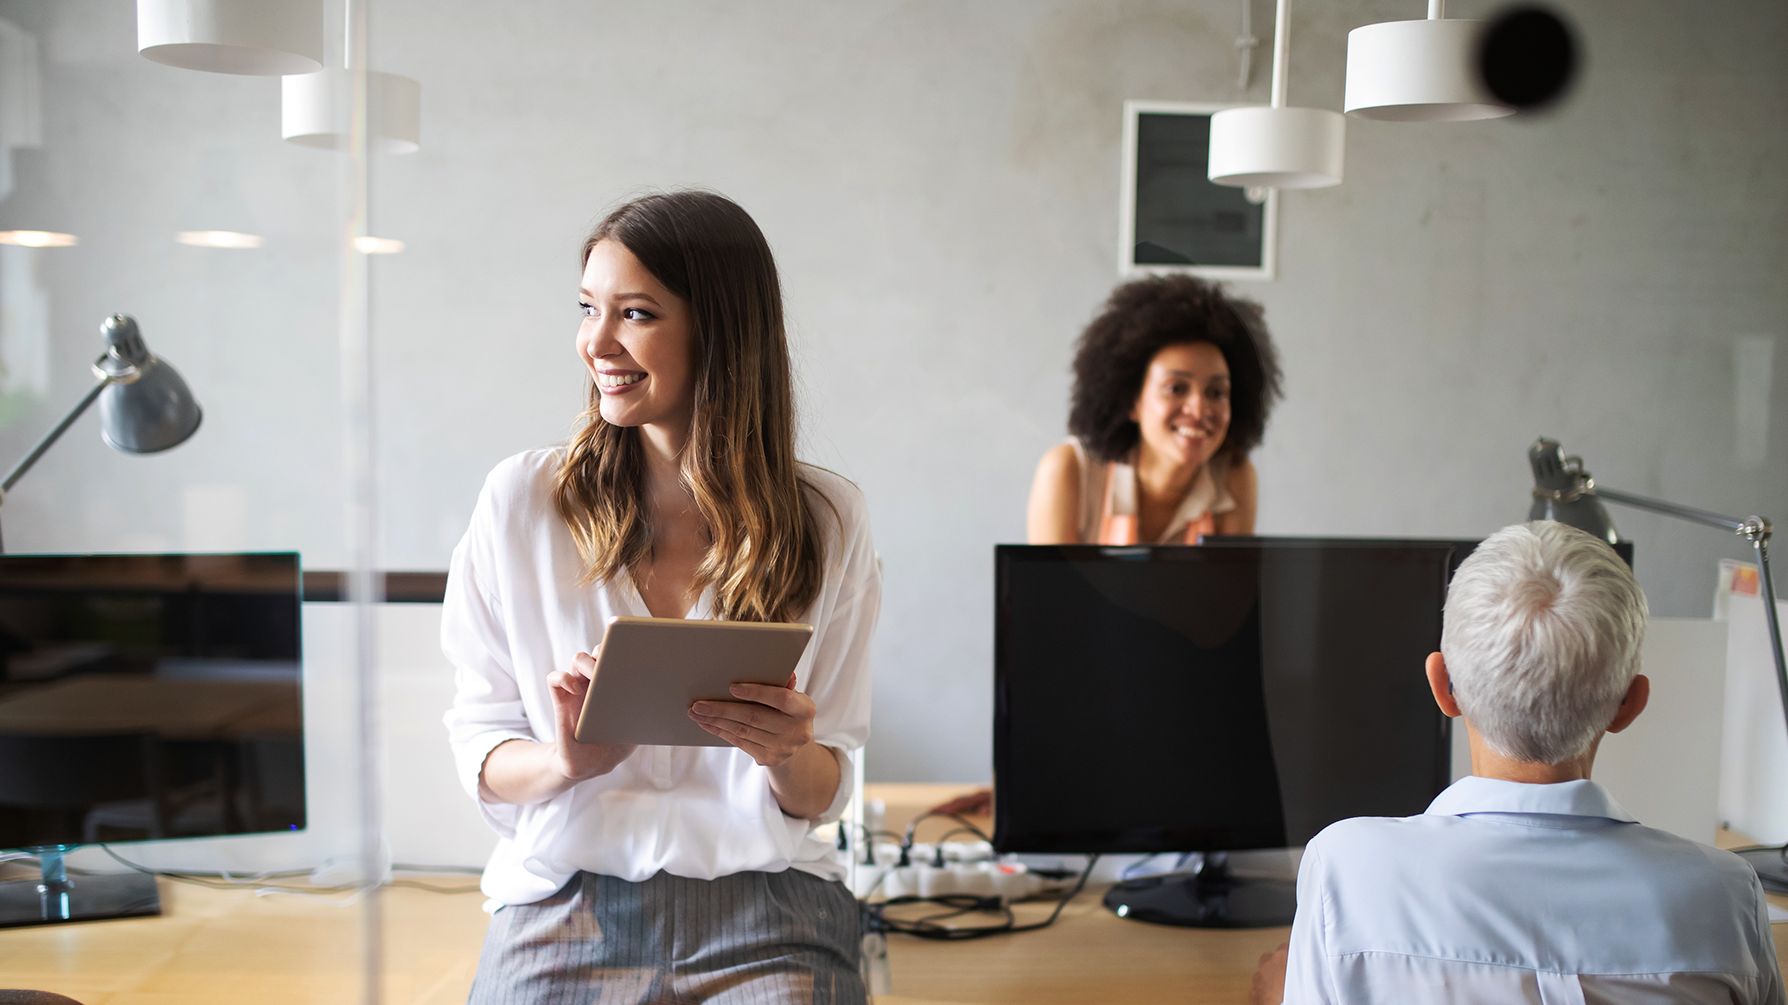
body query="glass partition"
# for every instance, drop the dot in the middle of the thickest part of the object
(195, 204)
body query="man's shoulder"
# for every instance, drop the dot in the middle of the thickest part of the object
(1374, 833)
(1652, 865)
(1712, 871)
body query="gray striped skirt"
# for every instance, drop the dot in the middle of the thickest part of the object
(752, 938)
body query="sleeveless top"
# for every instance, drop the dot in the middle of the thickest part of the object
(1108, 498)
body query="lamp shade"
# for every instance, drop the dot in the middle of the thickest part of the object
(256, 37)
(155, 411)
(1563, 491)
(1419, 71)
(314, 108)
(1266, 147)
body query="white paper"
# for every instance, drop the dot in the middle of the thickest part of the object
(1754, 754)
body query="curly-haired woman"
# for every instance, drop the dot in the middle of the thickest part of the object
(1172, 386)
(645, 873)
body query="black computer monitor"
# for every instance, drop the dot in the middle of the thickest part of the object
(1214, 699)
(143, 697)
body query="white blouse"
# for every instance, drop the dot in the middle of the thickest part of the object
(514, 612)
(1109, 489)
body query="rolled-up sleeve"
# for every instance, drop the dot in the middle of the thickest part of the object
(487, 708)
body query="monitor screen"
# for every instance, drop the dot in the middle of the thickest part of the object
(1152, 699)
(148, 696)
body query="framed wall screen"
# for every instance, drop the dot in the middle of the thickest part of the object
(1173, 218)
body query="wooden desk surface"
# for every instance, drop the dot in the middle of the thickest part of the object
(212, 947)
(133, 703)
(1089, 954)
(218, 946)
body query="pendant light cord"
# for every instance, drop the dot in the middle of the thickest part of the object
(347, 35)
(1245, 44)
(1281, 51)
(1437, 9)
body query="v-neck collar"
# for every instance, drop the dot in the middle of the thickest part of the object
(624, 595)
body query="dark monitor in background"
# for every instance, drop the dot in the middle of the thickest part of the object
(143, 697)
(1238, 696)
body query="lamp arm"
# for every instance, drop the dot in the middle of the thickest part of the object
(24, 464)
(1690, 513)
(1771, 617)
(1755, 529)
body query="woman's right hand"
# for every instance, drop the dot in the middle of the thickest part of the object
(574, 760)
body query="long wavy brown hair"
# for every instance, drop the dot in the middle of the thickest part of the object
(765, 556)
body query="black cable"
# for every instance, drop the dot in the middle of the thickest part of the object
(938, 856)
(869, 837)
(967, 825)
(931, 927)
(1079, 885)
(1130, 869)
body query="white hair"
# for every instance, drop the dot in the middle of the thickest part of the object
(1541, 639)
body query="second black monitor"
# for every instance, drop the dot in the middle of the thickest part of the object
(1156, 699)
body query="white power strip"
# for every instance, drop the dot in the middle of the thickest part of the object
(969, 867)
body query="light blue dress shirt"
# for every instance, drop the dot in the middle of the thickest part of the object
(1507, 892)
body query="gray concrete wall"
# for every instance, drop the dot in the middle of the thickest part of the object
(940, 183)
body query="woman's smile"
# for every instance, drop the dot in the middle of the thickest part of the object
(1191, 432)
(634, 340)
(618, 381)
(1182, 410)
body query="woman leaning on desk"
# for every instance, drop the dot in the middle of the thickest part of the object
(665, 873)
(1172, 386)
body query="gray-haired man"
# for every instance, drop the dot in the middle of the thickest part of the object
(1526, 882)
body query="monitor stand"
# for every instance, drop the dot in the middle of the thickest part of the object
(55, 898)
(1212, 897)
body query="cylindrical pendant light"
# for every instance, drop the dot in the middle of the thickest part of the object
(314, 109)
(1419, 71)
(259, 37)
(1275, 146)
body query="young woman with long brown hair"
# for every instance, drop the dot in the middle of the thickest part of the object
(642, 874)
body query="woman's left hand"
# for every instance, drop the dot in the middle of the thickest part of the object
(771, 724)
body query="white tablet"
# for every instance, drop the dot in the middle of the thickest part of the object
(652, 669)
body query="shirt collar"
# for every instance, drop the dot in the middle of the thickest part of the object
(1582, 798)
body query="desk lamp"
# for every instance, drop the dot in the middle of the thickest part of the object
(144, 405)
(1563, 491)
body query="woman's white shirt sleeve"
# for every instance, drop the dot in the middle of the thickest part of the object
(515, 610)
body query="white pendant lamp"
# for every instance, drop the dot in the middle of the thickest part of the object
(1419, 71)
(314, 109)
(1275, 146)
(258, 37)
